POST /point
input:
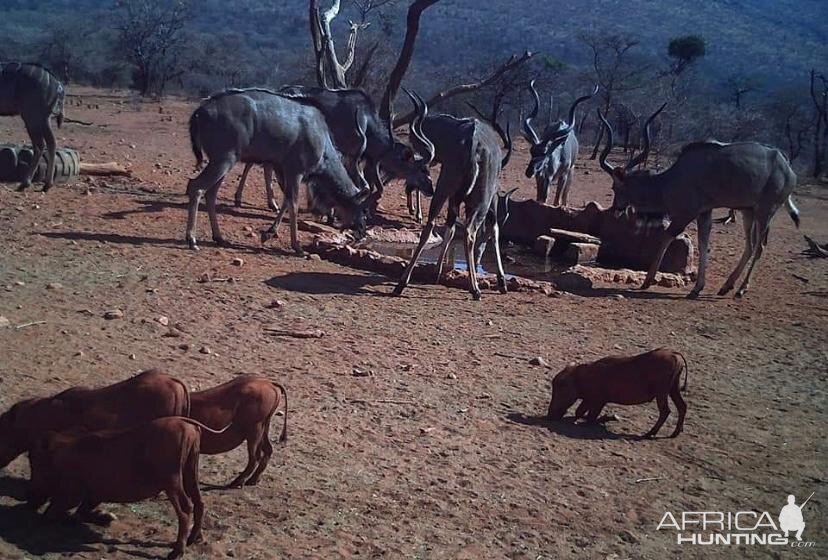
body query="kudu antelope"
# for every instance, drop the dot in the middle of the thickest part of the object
(263, 126)
(351, 114)
(745, 176)
(34, 93)
(470, 154)
(553, 154)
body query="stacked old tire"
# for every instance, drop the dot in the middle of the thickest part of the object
(15, 161)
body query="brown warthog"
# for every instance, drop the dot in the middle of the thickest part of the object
(246, 404)
(84, 469)
(150, 394)
(622, 380)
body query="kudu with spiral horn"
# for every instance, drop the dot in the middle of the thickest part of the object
(553, 154)
(470, 156)
(746, 176)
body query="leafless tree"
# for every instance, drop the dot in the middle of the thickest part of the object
(819, 96)
(739, 86)
(615, 68)
(151, 36)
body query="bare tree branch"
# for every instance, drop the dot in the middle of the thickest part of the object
(412, 28)
(514, 62)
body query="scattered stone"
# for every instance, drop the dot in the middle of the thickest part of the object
(163, 320)
(185, 347)
(172, 332)
(133, 357)
(275, 304)
(238, 261)
(619, 296)
(544, 245)
(359, 372)
(628, 536)
(78, 354)
(205, 350)
(451, 375)
(19, 283)
(426, 431)
(314, 257)
(581, 253)
(4, 322)
(538, 361)
(573, 236)
(113, 314)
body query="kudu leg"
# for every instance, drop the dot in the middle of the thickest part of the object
(433, 211)
(761, 225)
(292, 200)
(705, 223)
(673, 231)
(567, 184)
(542, 183)
(210, 178)
(747, 224)
(237, 198)
(51, 148)
(448, 237)
(212, 195)
(271, 198)
(38, 143)
(501, 274)
(473, 223)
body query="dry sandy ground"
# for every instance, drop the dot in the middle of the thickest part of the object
(460, 464)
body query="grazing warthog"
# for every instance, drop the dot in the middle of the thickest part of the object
(84, 469)
(150, 394)
(553, 154)
(622, 380)
(34, 93)
(262, 126)
(745, 176)
(246, 404)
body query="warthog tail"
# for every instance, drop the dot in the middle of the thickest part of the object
(204, 427)
(283, 437)
(686, 370)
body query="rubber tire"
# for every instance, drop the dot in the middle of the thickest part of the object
(15, 161)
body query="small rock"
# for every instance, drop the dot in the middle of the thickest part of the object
(406, 367)
(358, 372)
(617, 347)
(19, 283)
(133, 357)
(205, 350)
(4, 322)
(113, 314)
(628, 536)
(275, 304)
(185, 347)
(426, 431)
(619, 296)
(237, 262)
(489, 323)
(163, 320)
(314, 257)
(79, 354)
(538, 361)
(172, 333)
(451, 375)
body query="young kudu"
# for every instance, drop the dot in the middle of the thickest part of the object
(745, 176)
(471, 159)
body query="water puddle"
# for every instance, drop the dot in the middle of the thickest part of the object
(517, 260)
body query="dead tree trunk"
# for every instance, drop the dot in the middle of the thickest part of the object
(820, 99)
(330, 72)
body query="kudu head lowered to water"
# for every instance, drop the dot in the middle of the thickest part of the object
(632, 189)
(552, 155)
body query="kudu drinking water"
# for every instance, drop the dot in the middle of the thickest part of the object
(469, 151)
(350, 114)
(263, 126)
(553, 154)
(745, 176)
(34, 93)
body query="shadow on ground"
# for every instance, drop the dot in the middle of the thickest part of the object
(320, 283)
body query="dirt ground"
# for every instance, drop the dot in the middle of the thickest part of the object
(416, 424)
